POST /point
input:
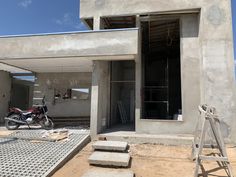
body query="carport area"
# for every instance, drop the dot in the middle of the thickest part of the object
(72, 71)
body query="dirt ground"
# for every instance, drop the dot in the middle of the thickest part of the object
(150, 160)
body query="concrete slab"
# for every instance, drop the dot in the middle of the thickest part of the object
(109, 159)
(110, 145)
(108, 173)
(135, 138)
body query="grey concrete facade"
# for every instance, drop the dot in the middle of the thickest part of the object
(206, 50)
(206, 58)
(5, 94)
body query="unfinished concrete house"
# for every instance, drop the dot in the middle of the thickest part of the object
(144, 65)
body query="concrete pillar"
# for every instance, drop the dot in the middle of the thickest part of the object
(190, 63)
(99, 97)
(5, 94)
(138, 76)
(96, 23)
(218, 80)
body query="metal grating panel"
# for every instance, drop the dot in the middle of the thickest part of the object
(26, 159)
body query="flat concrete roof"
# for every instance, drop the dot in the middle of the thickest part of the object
(68, 52)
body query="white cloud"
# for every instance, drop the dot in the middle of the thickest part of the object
(67, 19)
(25, 3)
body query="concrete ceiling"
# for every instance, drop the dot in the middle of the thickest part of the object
(49, 65)
(12, 69)
(53, 64)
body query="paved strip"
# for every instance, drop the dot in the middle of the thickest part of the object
(24, 158)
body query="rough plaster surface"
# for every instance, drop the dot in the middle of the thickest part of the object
(82, 44)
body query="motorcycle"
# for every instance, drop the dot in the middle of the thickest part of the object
(35, 115)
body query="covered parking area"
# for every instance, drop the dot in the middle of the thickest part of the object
(71, 69)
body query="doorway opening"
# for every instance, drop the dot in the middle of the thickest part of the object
(161, 73)
(22, 91)
(122, 95)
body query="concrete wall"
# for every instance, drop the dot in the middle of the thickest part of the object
(5, 91)
(46, 83)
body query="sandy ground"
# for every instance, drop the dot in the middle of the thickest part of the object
(151, 161)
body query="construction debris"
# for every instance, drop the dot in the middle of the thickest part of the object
(56, 135)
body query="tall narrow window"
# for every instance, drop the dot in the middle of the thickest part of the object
(161, 69)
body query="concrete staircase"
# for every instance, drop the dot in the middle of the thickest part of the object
(110, 154)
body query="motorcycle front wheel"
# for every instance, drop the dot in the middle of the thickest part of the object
(10, 125)
(47, 125)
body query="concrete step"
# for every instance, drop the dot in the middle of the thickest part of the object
(109, 159)
(108, 173)
(110, 145)
(134, 138)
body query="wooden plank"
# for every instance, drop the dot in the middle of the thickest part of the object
(213, 158)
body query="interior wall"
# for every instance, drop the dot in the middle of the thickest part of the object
(5, 92)
(46, 83)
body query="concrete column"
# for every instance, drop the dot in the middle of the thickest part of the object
(218, 80)
(138, 76)
(99, 97)
(190, 63)
(96, 23)
(5, 94)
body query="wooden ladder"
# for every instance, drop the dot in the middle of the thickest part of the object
(209, 119)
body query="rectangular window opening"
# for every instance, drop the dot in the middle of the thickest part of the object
(161, 75)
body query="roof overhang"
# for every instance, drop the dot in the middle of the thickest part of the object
(68, 52)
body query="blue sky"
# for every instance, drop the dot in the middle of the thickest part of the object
(48, 16)
(39, 16)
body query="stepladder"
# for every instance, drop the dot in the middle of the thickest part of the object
(209, 123)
